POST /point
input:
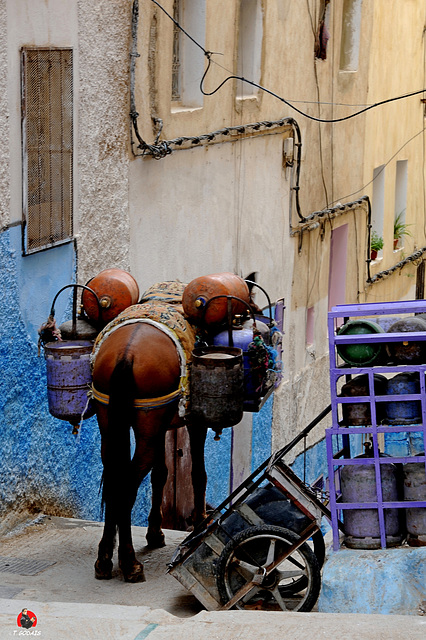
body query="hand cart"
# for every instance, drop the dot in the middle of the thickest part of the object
(252, 552)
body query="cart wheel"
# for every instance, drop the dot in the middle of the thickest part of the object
(299, 584)
(257, 547)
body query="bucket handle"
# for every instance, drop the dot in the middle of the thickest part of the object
(74, 302)
(271, 322)
(229, 299)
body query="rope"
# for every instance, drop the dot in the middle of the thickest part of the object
(76, 428)
(142, 403)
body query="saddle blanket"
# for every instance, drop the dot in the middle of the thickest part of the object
(161, 307)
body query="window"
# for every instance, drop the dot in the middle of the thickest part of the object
(249, 55)
(47, 146)
(401, 178)
(188, 59)
(351, 30)
(176, 52)
(378, 202)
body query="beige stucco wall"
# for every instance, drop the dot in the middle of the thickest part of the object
(223, 206)
(213, 209)
(394, 132)
(103, 138)
(391, 63)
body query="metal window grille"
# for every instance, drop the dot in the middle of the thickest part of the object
(176, 52)
(47, 138)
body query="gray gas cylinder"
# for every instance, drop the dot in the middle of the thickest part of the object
(408, 352)
(358, 484)
(415, 490)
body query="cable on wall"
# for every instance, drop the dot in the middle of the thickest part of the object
(381, 275)
(160, 149)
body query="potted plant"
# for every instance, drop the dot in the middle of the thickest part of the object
(376, 244)
(400, 229)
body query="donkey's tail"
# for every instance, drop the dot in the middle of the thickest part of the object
(116, 453)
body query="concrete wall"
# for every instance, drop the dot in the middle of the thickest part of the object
(395, 133)
(212, 209)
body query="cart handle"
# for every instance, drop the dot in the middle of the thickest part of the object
(275, 456)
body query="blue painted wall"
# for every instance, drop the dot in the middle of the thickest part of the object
(262, 434)
(42, 465)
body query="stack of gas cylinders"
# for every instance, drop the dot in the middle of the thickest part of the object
(398, 481)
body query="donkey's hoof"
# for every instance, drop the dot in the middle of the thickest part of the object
(156, 539)
(135, 573)
(103, 569)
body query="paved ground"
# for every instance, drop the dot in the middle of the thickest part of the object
(48, 568)
(69, 548)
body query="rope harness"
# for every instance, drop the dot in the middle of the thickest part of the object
(146, 404)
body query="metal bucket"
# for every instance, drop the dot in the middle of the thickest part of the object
(410, 411)
(242, 337)
(68, 379)
(217, 386)
(415, 490)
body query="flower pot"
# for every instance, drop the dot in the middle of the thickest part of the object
(373, 254)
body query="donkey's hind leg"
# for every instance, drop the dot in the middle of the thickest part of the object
(155, 536)
(103, 564)
(150, 439)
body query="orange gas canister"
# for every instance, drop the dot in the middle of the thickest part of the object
(116, 290)
(200, 291)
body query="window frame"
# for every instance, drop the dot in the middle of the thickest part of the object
(249, 53)
(65, 220)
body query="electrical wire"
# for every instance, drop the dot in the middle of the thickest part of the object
(160, 149)
(209, 55)
(306, 115)
(180, 26)
(166, 149)
(382, 168)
